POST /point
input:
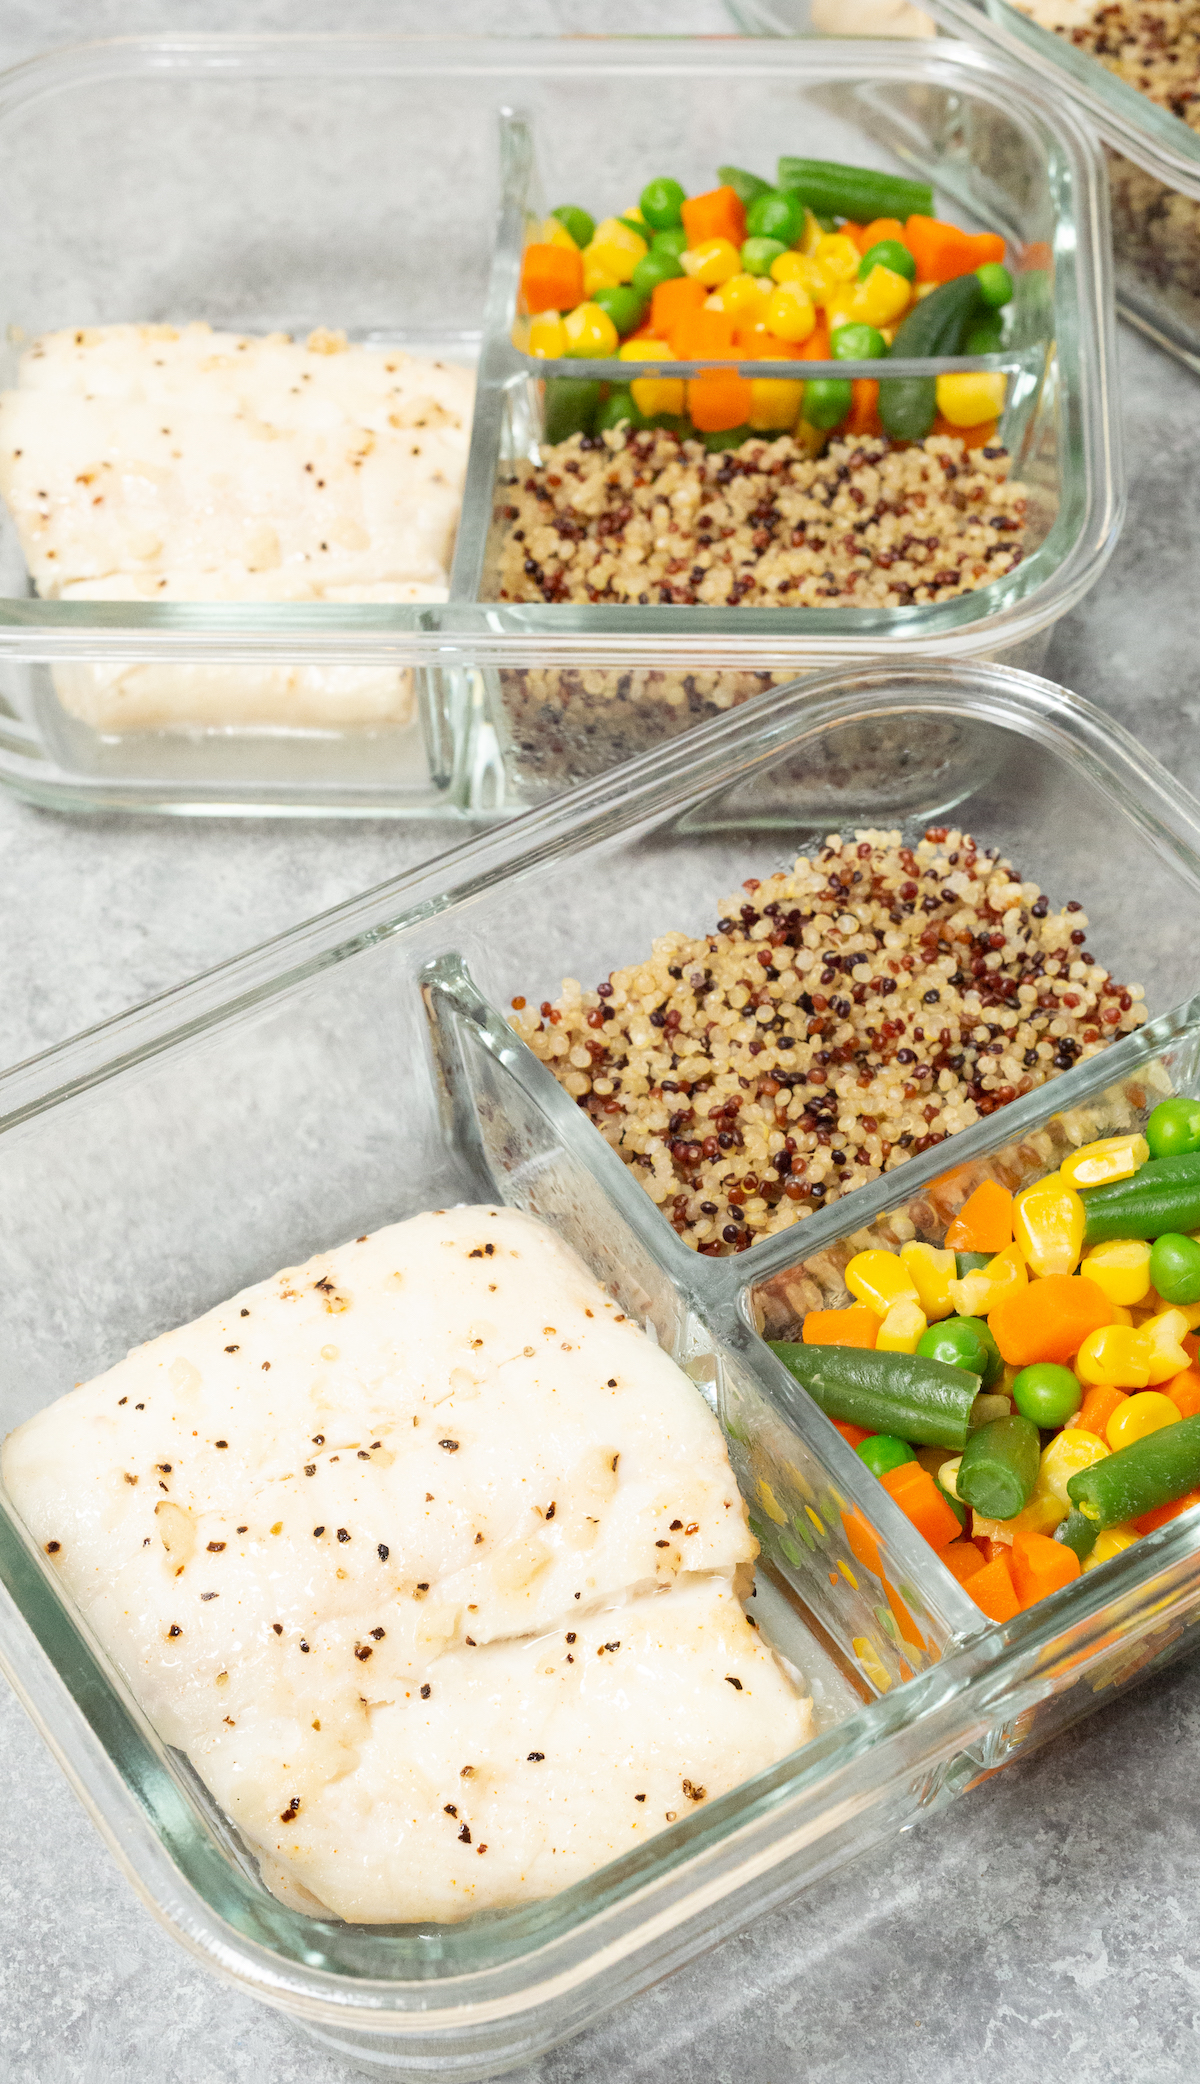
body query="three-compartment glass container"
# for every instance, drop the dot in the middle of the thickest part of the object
(286, 183)
(359, 1069)
(1153, 154)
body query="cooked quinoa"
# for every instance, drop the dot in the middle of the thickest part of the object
(1156, 49)
(842, 1016)
(645, 519)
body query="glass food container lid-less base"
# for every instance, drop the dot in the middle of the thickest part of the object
(262, 116)
(360, 1069)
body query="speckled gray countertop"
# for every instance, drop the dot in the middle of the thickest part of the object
(1045, 1928)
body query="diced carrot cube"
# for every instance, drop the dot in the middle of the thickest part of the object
(962, 1559)
(816, 348)
(1184, 1392)
(915, 1492)
(879, 229)
(672, 301)
(984, 1222)
(719, 399)
(942, 251)
(853, 1435)
(864, 412)
(856, 1326)
(1048, 1320)
(1097, 1408)
(992, 1589)
(718, 214)
(551, 279)
(701, 334)
(1159, 1517)
(1041, 1566)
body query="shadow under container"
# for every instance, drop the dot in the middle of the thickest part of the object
(186, 178)
(1153, 156)
(358, 1070)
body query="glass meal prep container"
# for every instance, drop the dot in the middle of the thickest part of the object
(360, 1069)
(181, 178)
(1153, 156)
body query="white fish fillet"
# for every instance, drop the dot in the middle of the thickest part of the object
(425, 1460)
(152, 462)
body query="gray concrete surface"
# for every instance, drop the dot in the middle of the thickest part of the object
(1045, 1929)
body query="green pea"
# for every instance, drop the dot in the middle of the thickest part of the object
(1047, 1394)
(996, 283)
(827, 400)
(986, 338)
(672, 241)
(1174, 1128)
(577, 222)
(884, 1451)
(1175, 1267)
(651, 270)
(777, 215)
(623, 305)
(888, 253)
(757, 255)
(618, 409)
(963, 1342)
(858, 343)
(727, 438)
(661, 204)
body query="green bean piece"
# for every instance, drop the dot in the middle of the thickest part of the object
(888, 253)
(577, 222)
(661, 204)
(1174, 1128)
(970, 1262)
(907, 406)
(747, 187)
(1164, 1195)
(571, 406)
(831, 189)
(987, 337)
(827, 400)
(999, 1467)
(884, 1451)
(1154, 1471)
(916, 1399)
(1077, 1533)
(727, 438)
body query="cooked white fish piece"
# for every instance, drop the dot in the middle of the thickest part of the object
(298, 1510)
(514, 1769)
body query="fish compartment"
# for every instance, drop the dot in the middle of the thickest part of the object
(360, 1069)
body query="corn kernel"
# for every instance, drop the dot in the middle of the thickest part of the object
(879, 1279)
(979, 1292)
(554, 233)
(845, 305)
(1162, 1338)
(1110, 1544)
(590, 331)
(1041, 1513)
(904, 1324)
(812, 235)
(775, 404)
(931, 1272)
(1111, 1158)
(547, 336)
(1138, 1416)
(653, 394)
(596, 276)
(801, 268)
(1121, 1314)
(1120, 1269)
(1068, 1453)
(965, 400)
(1048, 1225)
(838, 254)
(790, 314)
(742, 293)
(885, 295)
(1116, 1355)
(712, 262)
(616, 248)
(947, 1478)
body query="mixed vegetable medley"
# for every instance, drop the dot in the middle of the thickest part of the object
(829, 262)
(1029, 1395)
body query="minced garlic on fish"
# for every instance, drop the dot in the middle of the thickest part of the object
(428, 1559)
(177, 464)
